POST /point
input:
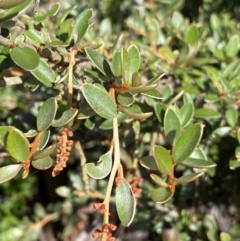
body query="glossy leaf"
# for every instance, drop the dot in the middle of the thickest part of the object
(231, 116)
(99, 61)
(187, 142)
(171, 126)
(44, 73)
(82, 22)
(4, 131)
(206, 113)
(100, 101)
(158, 181)
(126, 67)
(46, 114)
(116, 63)
(125, 203)
(232, 46)
(186, 114)
(163, 159)
(161, 194)
(189, 178)
(66, 117)
(43, 163)
(18, 145)
(198, 163)
(44, 153)
(9, 172)
(149, 163)
(103, 167)
(25, 57)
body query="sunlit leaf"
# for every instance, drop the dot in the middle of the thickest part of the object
(189, 178)
(9, 172)
(161, 194)
(43, 163)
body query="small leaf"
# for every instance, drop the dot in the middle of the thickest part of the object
(163, 159)
(44, 73)
(63, 191)
(116, 63)
(18, 145)
(65, 32)
(25, 57)
(191, 34)
(44, 139)
(108, 124)
(171, 126)
(149, 163)
(44, 153)
(52, 12)
(99, 61)
(100, 101)
(82, 23)
(125, 203)
(46, 114)
(31, 133)
(4, 131)
(135, 112)
(187, 142)
(158, 181)
(103, 167)
(160, 110)
(141, 88)
(161, 194)
(189, 178)
(135, 59)
(35, 36)
(125, 99)
(231, 117)
(66, 117)
(125, 63)
(9, 172)
(232, 46)
(155, 94)
(43, 163)
(186, 114)
(136, 80)
(206, 113)
(222, 131)
(198, 163)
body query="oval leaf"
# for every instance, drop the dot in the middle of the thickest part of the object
(171, 126)
(9, 172)
(161, 194)
(125, 203)
(206, 113)
(102, 169)
(44, 153)
(18, 145)
(46, 114)
(163, 159)
(66, 117)
(186, 114)
(125, 99)
(25, 57)
(135, 59)
(149, 163)
(189, 178)
(4, 131)
(187, 142)
(231, 117)
(125, 63)
(100, 101)
(232, 46)
(43, 163)
(116, 63)
(158, 181)
(44, 139)
(198, 163)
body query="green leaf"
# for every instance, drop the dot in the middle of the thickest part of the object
(198, 163)
(66, 117)
(126, 67)
(187, 142)
(100, 101)
(18, 145)
(63, 191)
(136, 80)
(125, 203)
(25, 57)
(189, 178)
(43, 163)
(35, 36)
(44, 139)
(155, 94)
(191, 34)
(4, 131)
(238, 135)
(206, 113)
(9, 172)
(231, 117)
(44, 73)
(225, 237)
(186, 114)
(161, 194)
(177, 20)
(171, 126)
(222, 131)
(64, 14)
(158, 181)
(135, 59)
(99, 61)
(163, 159)
(116, 63)
(108, 124)
(141, 88)
(160, 110)
(125, 99)
(12, 10)
(149, 163)
(65, 32)
(103, 167)
(232, 46)
(44, 153)
(46, 114)
(6, 4)
(82, 23)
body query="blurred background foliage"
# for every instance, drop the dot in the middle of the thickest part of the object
(196, 45)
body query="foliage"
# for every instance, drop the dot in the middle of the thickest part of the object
(153, 98)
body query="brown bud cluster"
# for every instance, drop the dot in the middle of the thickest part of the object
(134, 185)
(107, 228)
(63, 151)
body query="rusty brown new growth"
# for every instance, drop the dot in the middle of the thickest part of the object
(63, 151)
(106, 231)
(134, 185)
